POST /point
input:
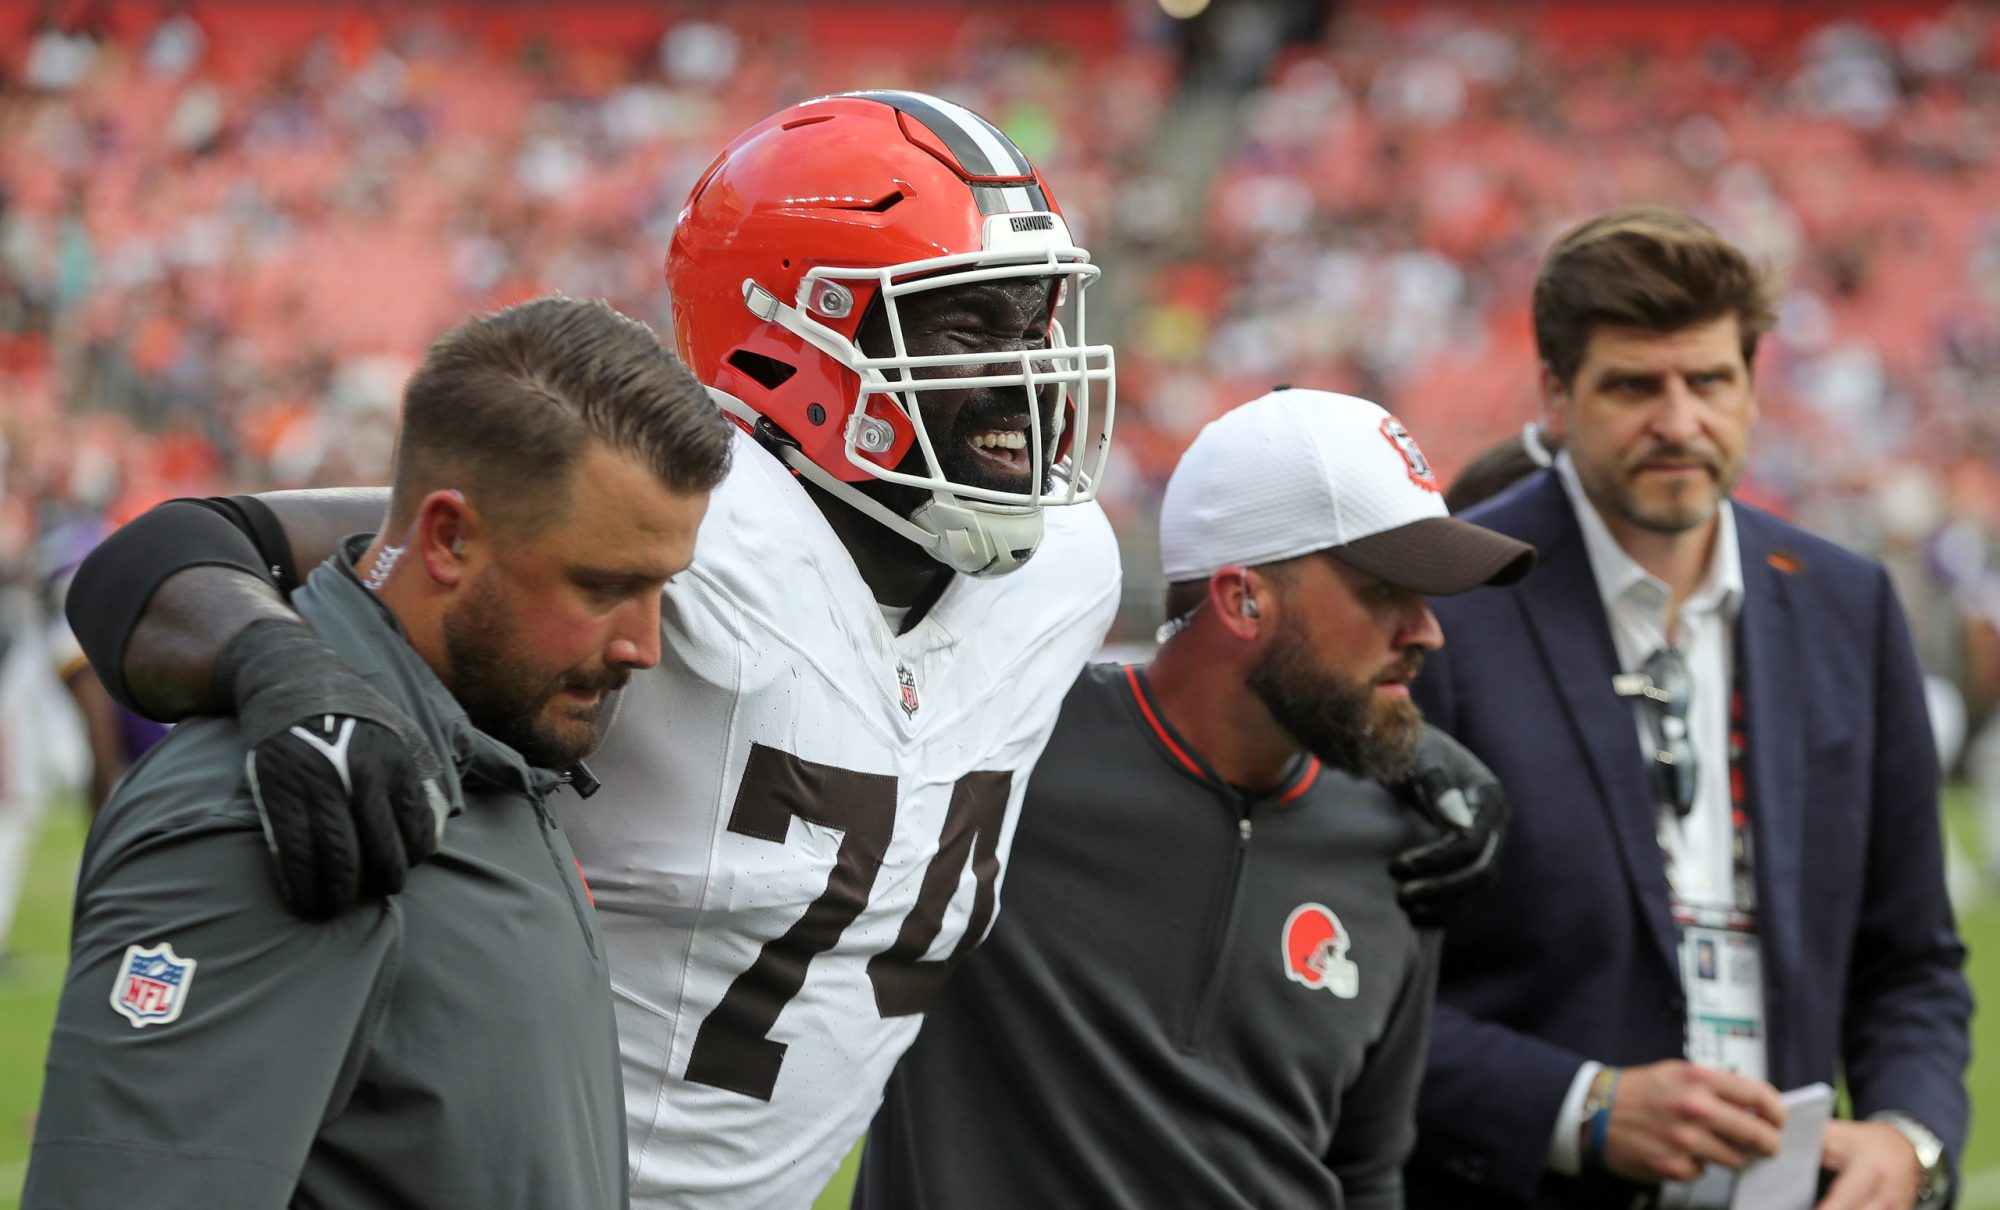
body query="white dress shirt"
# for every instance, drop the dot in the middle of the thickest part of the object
(1697, 849)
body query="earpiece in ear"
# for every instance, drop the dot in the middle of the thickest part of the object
(458, 546)
(1250, 607)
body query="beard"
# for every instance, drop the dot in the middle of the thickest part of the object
(1335, 718)
(1689, 506)
(506, 696)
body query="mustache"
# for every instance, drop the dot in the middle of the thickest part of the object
(1406, 668)
(1709, 459)
(606, 680)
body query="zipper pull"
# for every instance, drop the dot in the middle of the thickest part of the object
(1243, 827)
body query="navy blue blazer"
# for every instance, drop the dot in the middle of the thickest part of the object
(1571, 955)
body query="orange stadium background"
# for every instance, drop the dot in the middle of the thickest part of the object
(228, 228)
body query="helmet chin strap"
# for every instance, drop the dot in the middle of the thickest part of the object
(976, 538)
(971, 537)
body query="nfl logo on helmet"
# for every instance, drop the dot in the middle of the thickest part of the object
(151, 986)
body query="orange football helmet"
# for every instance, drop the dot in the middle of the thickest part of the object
(838, 204)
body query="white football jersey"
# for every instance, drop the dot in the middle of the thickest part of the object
(803, 821)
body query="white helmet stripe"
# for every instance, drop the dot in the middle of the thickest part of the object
(1009, 199)
(978, 144)
(1000, 150)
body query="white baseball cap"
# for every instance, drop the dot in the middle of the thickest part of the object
(1298, 471)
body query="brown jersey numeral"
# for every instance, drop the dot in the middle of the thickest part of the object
(904, 983)
(733, 1050)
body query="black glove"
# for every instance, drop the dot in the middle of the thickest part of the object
(347, 788)
(1454, 791)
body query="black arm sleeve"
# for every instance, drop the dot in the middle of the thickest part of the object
(115, 584)
(255, 518)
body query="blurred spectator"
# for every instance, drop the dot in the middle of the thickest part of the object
(1500, 466)
(205, 224)
(40, 745)
(222, 242)
(64, 49)
(1395, 179)
(113, 737)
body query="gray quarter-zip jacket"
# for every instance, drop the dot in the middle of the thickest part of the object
(1192, 998)
(451, 1046)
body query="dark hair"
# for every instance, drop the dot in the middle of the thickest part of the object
(1495, 469)
(1183, 596)
(504, 404)
(1644, 267)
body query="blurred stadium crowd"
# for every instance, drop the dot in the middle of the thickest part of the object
(226, 229)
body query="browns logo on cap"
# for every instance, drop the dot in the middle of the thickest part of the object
(1298, 471)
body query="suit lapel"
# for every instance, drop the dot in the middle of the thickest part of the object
(1770, 659)
(1566, 615)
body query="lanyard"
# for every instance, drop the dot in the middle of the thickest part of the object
(1740, 914)
(1719, 952)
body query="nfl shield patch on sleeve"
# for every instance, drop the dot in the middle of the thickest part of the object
(152, 985)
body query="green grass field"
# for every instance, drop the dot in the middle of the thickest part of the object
(32, 974)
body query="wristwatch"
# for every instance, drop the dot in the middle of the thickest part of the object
(1933, 1174)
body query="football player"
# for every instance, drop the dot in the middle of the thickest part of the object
(806, 805)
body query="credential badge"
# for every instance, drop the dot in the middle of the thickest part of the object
(152, 985)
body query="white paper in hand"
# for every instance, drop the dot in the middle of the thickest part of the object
(1789, 1180)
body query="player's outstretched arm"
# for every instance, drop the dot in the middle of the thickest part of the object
(184, 611)
(155, 603)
